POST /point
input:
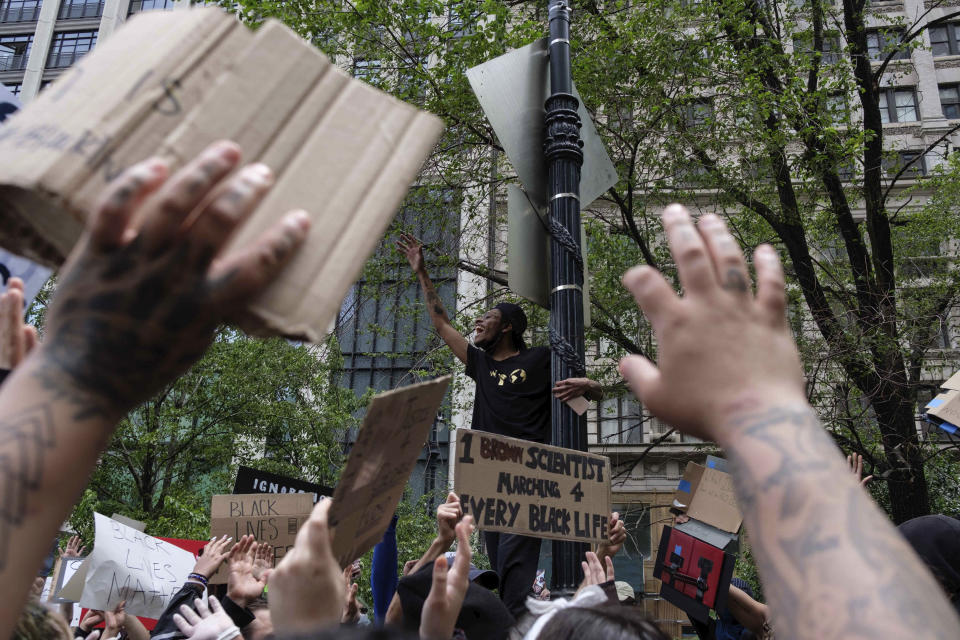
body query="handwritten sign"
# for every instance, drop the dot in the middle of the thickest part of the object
(393, 432)
(522, 487)
(273, 518)
(255, 481)
(128, 565)
(707, 495)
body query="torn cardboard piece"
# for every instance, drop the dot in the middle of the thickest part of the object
(342, 150)
(953, 382)
(380, 463)
(522, 487)
(708, 495)
(271, 518)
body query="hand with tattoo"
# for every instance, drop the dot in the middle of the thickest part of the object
(148, 283)
(16, 338)
(730, 345)
(832, 564)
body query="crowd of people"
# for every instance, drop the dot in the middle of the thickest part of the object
(142, 293)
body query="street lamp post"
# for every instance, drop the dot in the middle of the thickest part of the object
(563, 149)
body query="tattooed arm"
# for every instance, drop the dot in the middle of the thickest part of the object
(413, 250)
(832, 564)
(136, 305)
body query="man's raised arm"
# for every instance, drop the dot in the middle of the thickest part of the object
(832, 564)
(413, 250)
(135, 307)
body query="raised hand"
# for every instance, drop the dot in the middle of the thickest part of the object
(214, 553)
(412, 249)
(442, 606)
(206, 623)
(855, 461)
(262, 560)
(74, 548)
(752, 356)
(307, 588)
(147, 284)
(242, 586)
(115, 620)
(92, 618)
(594, 571)
(448, 515)
(351, 608)
(616, 536)
(16, 338)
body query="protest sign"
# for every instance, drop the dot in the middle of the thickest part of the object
(128, 565)
(63, 571)
(255, 481)
(706, 494)
(392, 436)
(272, 518)
(341, 149)
(532, 489)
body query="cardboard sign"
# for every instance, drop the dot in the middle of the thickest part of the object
(522, 487)
(273, 518)
(128, 565)
(946, 406)
(254, 481)
(342, 150)
(695, 575)
(385, 453)
(953, 382)
(707, 494)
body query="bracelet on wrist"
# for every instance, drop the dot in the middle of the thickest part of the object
(227, 634)
(199, 577)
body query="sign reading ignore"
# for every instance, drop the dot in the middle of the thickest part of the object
(523, 487)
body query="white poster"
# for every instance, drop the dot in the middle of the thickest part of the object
(129, 565)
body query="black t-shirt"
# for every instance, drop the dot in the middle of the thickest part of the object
(513, 395)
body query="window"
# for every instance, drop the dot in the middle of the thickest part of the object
(459, 21)
(898, 105)
(76, 9)
(893, 162)
(837, 107)
(19, 10)
(628, 563)
(136, 6)
(69, 46)
(14, 50)
(619, 421)
(366, 70)
(950, 100)
(698, 113)
(944, 40)
(830, 50)
(881, 42)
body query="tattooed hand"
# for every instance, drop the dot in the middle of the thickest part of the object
(137, 304)
(733, 347)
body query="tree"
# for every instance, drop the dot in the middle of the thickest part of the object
(770, 113)
(265, 403)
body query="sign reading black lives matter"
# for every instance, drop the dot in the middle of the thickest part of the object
(517, 486)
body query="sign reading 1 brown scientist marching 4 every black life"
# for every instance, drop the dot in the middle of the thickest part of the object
(527, 488)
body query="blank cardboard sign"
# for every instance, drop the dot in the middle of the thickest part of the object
(342, 150)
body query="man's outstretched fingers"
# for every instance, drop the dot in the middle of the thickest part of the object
(242, 275)
(731, 268)
(771, 285)
(318, 531)
(233, 202)
(642, 375)
(183, 192)
(111, 217)
(651, 292)
(694, 265)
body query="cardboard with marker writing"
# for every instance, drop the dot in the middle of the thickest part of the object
(339, 148)
(517, 486)
(271, 518)
(381, 460)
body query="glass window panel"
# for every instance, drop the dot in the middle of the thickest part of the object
(950, 100)
(19, 10)
(906, 106)
(14, 50)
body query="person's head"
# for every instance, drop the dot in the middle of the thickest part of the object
(936, 539)
(610, 621)
(504, 324)
(264, 627)
(39, 623)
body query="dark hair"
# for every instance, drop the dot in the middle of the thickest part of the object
(350, 633)
(610, 621)
(36, 622)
